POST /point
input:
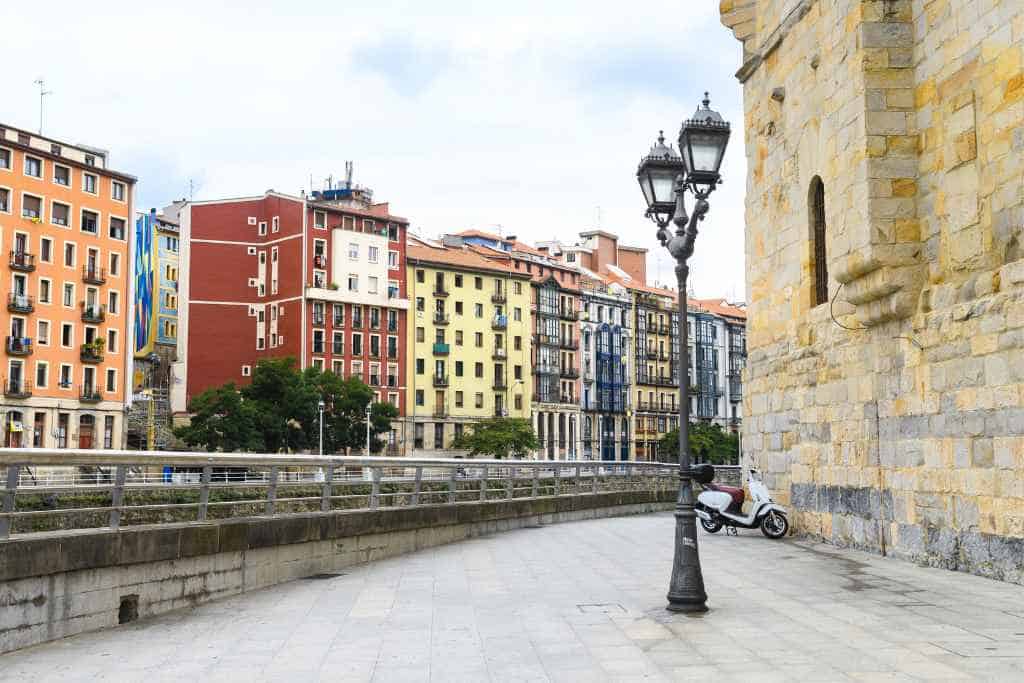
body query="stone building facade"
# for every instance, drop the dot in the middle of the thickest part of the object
(885, 203)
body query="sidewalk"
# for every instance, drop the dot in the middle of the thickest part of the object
(581, 601)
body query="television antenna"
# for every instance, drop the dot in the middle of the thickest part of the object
(43, 92)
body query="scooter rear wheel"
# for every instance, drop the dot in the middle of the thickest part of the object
(711, 527)
(774, 524)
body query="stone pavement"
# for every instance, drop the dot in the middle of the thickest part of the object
(581, 601)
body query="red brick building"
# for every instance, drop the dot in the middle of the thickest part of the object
(319, 278)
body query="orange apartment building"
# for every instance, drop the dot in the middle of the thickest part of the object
(64, 219)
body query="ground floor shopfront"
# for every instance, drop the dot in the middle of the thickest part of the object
(48, 423)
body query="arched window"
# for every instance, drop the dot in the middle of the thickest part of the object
(819, 258)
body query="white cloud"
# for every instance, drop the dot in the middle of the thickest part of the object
(529, 115)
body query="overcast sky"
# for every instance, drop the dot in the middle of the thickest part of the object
(527, 115)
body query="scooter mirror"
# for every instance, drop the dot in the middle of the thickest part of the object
(702, 474)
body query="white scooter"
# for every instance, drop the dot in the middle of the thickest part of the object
(719, 506)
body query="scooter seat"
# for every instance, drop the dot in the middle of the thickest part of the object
(734, 491)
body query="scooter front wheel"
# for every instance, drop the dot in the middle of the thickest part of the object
(774, 524)
(710, 526)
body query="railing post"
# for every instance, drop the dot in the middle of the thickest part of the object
(451, 485)
(594, 471)
(579, 482)
(375, 489)
(204, 493)
(271, 491)
(13, 471)
(536, 482)
(558, 479)
(117, 496)
(327, 490)
(510, 483)
(418, 486)
(483, 485)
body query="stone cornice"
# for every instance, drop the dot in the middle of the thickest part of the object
(743, 30)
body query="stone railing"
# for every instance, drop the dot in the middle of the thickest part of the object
(61, 490)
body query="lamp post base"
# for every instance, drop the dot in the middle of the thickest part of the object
(683, 607)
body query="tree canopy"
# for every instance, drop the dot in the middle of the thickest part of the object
(498, 437)
(708, 443)
(279, 411)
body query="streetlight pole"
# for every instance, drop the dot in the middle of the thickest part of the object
(320, 405)
(665, 177)
(367, 429)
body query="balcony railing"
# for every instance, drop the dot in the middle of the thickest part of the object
(441, 380)
(441, 292)
(499, 322)
(441, 318)
(569, 343)
(568, 314)
(91, 353)
(441, 349)
(23, 261)
(568, 398)
(499, 297)
(499, 354)
(17, 388)
(90, 394)
(93, 313)
(19, 303)
(499, 384)
(440, 411)
(19, 346)
(569, 373)
(93, 275)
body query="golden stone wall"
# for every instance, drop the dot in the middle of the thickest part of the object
(891, 419)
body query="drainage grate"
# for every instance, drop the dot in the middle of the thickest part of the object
(326, 575)
(128, 611)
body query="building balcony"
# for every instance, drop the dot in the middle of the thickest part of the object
(570, 344)
(91, 352)
(90, 394)
(441, 380)
(19, 346)
(93, 313)
(499, 354)
(441, 318)
(498, 298)
(499, 322)
(569, 373)
(17, 388)
(441, 349)
(23, 261)
(441, 292)
(568, 314)
(20, 303)
(93, 275)
(567, 398)
(440, 411)
(651, 354)
(545, 339)
(664, 329)
(499, 384)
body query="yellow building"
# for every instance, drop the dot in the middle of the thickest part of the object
(469, 342)
(656, 349)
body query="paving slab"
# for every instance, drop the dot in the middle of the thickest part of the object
(582, 601)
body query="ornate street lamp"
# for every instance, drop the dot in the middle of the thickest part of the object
(665, 177)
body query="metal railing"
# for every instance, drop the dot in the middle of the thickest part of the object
(57, 491)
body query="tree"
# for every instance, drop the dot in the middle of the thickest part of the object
(708, 443)
(498, 437)
(279, 410)
(222, 421)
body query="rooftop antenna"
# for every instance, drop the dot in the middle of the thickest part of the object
(191, 189)
(42, 93)
(349, 167)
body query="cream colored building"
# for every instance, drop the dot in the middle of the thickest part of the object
(885, 256)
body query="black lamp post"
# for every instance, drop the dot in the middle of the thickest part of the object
(665, 177)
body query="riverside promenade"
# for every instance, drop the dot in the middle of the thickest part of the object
(579, 601)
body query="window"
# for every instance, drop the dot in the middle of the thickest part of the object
(339, 315)
(90, 221)
(115, 263)
(517, 287)
(368, 225)
(371, 285)
(5, 200)
(112, 341)
(60, 214)
(90, 160)
(108, 431)
(420, 304)
(31, 207)
(420, 276)
(478, 310)
(89, 183)
(33, 167)
(61, 175)
(42, 374)
(372, 254)
(116, 229)
(393, 232)
(517, 314)
(478, 370)
(517, 371)
(43, 332)
(819, 262)
(420, 334)
(479, 400)
(111, 380)
(517, 343)
(392, 259)
(44, 291)
(5, 159)
(117, 191)
(261, 230)
(66, 335)
(458, 337)
(419, 366)
(246, 370)
(478, 339)
(69, 295)
(69, 254)
(353, 251)
(320, 220)
(353, 282)
(357, 344)
(65, 376)
(112, 303)
(478, 282)
(275, 224)
(419, 426)
(458, 280)
(458, 308)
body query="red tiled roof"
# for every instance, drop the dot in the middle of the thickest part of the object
(457, 257)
